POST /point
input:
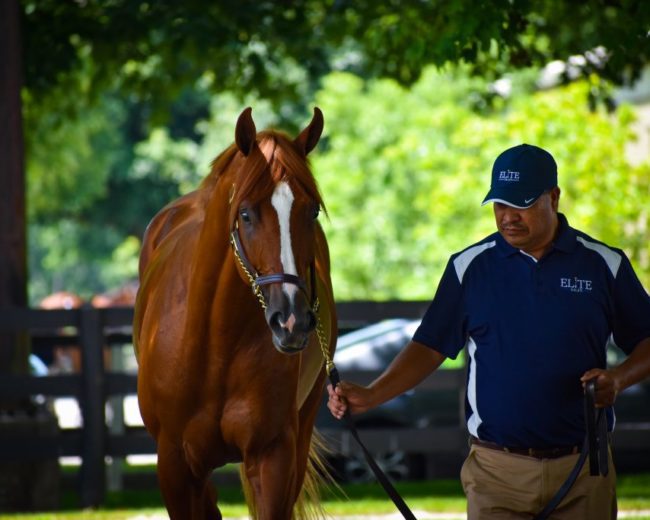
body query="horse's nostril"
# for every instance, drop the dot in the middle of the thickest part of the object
(279, 323)
(274, 321)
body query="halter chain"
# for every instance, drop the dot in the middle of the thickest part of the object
(322, 340)
(257, 290)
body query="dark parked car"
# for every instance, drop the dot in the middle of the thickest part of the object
(373, 348)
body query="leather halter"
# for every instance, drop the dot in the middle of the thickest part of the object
(257, 280)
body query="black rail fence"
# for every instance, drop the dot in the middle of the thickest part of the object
(32, 438)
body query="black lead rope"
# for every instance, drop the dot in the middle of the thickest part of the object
(597, 433)
(594, 448)
(381, 476)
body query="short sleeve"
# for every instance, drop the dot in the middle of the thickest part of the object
(444, 325)
(631, 308)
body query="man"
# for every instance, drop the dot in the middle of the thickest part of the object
(535, 304)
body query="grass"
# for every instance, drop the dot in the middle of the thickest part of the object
(444, 495)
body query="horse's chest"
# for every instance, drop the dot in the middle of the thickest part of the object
(257, 419)
(247, 403)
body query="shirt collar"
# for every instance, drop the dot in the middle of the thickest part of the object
(565, 241)
(566, 235)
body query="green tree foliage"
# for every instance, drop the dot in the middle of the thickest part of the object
(119, 116)
(404, 173)
(276, 48)
(95, 182)
(402, 170)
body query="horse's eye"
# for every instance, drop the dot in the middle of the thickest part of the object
(245, 216)
(316, 212)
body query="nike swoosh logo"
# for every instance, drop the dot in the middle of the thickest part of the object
(527, 201)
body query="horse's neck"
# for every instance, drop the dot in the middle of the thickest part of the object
(213, 243)
(213, 273)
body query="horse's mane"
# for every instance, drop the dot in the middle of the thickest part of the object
(275, 158)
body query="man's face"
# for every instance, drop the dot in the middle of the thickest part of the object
(532, 229)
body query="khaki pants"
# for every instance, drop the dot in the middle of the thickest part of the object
(504, 486)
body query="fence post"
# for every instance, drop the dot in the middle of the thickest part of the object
(92, 399)
(116, 423)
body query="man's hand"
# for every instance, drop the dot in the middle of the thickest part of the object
(607, 386)
(346, 396)
(610, 382)
(410, 367)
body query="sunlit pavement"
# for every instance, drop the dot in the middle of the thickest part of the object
(420, 515)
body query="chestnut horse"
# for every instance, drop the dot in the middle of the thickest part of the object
(226, 373)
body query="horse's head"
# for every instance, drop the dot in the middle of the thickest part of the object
(274, 207)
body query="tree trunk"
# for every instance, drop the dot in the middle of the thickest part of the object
(14, 349)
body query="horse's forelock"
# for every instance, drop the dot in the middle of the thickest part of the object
(252, 182)
(294, 168)
(273, 160)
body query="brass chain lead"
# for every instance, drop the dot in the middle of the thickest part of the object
(322, 339)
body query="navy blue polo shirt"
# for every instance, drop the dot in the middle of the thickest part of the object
(532, 328)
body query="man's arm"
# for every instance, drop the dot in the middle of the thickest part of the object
(610, 382)
(410, 367)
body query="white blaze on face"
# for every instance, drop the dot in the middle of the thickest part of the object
(282, 200)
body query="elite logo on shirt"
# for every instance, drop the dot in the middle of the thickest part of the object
(576, 284)
(509, 176)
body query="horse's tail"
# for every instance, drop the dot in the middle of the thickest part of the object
(248, 492)
(318, 475)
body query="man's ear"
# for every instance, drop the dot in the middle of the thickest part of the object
(555, 197)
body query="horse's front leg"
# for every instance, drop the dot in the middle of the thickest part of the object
(186, 495)
(272, 476)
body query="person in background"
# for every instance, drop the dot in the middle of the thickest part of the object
(535, 304)
(60, 359)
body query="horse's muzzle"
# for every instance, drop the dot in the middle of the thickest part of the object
(290, 348)
(290, 322)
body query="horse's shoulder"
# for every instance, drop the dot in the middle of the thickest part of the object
(175, 214)
(160, 255)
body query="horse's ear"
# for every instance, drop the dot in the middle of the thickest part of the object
(245, 132)
(309, 137)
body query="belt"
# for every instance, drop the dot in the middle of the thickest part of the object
(537, 453)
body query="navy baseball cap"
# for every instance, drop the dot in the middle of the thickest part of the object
(520, 175)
